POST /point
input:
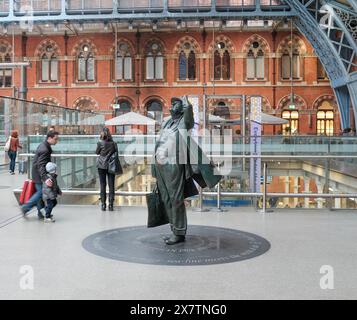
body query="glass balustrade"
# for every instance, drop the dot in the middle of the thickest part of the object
(231, 5)
(93, 6)
(31, 118)
(53, 7)
(189, 5)
(140, 5)
(4, 7)
(301, 169)
(29, 7)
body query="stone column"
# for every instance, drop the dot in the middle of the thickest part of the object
(337, 203)
(337, 200)
(306, 190)
(287, 189)
(320, 189)
(296, 190)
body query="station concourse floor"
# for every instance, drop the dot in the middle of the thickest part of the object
(302, 241)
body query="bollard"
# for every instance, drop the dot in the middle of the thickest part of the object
(200, 202)
(218, 208)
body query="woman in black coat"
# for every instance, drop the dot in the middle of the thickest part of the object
(106, 147)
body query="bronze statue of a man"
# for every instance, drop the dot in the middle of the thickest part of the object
(178, 160)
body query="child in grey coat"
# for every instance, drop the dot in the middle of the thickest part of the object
(50, 194)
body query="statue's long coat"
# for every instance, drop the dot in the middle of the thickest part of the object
(178, 160)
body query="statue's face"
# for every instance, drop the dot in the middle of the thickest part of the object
(176, 107)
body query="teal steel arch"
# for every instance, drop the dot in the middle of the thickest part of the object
(329, 25)
(331, 28)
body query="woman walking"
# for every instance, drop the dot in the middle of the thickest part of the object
(12, 153)
(107, 150)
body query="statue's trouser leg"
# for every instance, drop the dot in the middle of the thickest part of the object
(179, 218)
(171, 187)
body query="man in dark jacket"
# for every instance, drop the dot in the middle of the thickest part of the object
(39, 174)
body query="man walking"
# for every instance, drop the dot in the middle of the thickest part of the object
(39, 174)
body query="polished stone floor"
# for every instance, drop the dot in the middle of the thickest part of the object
(301, 243)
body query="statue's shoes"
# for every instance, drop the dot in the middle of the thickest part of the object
(165, 237)
(175, 239)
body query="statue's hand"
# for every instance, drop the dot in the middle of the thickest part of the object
(185, 102)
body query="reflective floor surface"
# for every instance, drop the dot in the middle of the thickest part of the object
(303, 243)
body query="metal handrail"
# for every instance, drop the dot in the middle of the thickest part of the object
(219, 193)
(226, 194)
(239, 156)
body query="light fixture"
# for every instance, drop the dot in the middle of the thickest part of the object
(266, 23)
(130, 26)
(4, 29)
(106, 26)
(178, 24)
(224, 23)
(245, 22)
(286, 23)
(55, 27)
(81, 26)
(154, 25)
(202, 23)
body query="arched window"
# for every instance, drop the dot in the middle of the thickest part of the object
(122, 106)
(48, 61)
(154, 58)
(255, 62)
(187, 62)
(85, 64)
(321, 73)
(293, 126)
(154, 111)
(5, 74)
(123, 62)
(291, 54)
(325, 118)
(222, 110)
(288, 68)
(49, 101)
(49, 65)
(222, 62)
(85, 103)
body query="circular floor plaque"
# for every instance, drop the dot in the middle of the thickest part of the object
(204, 245)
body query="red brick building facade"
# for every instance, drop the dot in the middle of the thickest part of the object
(79, 71)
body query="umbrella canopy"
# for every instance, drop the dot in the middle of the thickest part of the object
(269, 119)
(130, 118)
(213, 119)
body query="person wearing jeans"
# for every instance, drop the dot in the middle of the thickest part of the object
(35, 200)
(103, 174)
(12, 153)
(39, 173)
(106, 147)
(12, 156)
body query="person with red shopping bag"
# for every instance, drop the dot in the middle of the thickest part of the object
(39, 173)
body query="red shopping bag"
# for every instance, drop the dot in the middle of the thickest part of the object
(23, 192)
(30, 190)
